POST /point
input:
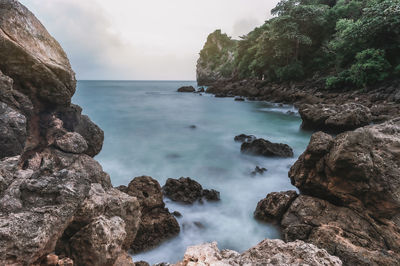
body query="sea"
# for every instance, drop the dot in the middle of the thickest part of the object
(150, 129)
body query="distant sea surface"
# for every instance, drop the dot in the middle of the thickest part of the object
(147, 127)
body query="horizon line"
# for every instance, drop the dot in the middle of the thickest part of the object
(136, 80)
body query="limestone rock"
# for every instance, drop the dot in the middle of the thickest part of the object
(99, 243)
(71, 142)
(38, 64)
(266, 148)
(188, 191)
(274, 206)
(12, 131)
(335, 118)
(268, 252)
(157, 223)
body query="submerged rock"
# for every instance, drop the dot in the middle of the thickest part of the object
(335, 118)
(187, 89)
(157, 223)
(268, 252)
(266, 148)
(187, 190)
(258, 170)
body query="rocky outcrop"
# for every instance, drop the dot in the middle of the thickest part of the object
(334, 118)
(349, 202)
(268, 252)
(157, 223)
(188, 191)
(187, 89)
(274, 206)
(266, 148)
(32, 58)
(57, 206)
(244, 138)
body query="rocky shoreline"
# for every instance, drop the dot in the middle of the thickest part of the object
(58, 206)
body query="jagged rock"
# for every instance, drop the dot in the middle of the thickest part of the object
(187, 190)
(274, 206)
(266, 148)
(157, 223)
(335, 118)
(268, 252)
(244, 138)
(124, 259)
(74, 121)
(98, 243)
(12, 131)
(187, 89)
(31, 57)
(71, 142)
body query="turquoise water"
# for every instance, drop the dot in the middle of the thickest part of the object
(147, 132)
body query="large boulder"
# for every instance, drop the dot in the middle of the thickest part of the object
(187, 89)
(31, 57)
(334, 118)
(266, 148)
(12, 131)
(188, 191)
(268, 252)
(157, 223)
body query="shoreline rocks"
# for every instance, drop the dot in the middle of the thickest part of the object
(188, 191)
(244, 138)
(186, 89)
(267, 252)
(266, 148)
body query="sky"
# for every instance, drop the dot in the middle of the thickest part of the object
(143, 39)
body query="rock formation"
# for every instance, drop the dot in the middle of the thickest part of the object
(274, 206)
(187, 89)
(187, 190)
(349, 202)
(244, 138)
(266, 148)
(335, 118)
(56, 203)
(157, 223)
(268, 252)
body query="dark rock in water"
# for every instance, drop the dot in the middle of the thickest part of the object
(334, 118)
(239, 99)
(201, 89)
(244, 138)
(12, 131)
(199, 225)
(211, 194)
(290, 112)
(177, 214)
(173, 156)
(156, 224)
(139, 263)
(274, 206)
(188, 191)
(187, 89)
(192, 126)
(266, 148)
(258, 170)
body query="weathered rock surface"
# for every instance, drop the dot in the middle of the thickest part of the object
(31, 57)
(274, 206)
(266, 148)
(157, 223)
(71, 142)
(335, 118)
(268, 252)
(187, 190)
(12, 131)
(350, 195)
(187, 89)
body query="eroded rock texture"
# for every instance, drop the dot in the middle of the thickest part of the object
(349, 202)
(268, 252)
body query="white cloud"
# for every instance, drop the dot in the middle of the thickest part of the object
(137, 39)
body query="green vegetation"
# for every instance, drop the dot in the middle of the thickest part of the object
(348, 43)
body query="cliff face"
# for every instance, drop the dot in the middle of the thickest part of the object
(54, 197)
(216, 59)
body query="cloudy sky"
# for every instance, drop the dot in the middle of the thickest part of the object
(143, 39)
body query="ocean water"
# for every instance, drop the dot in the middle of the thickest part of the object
(147, 132)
